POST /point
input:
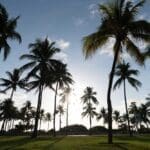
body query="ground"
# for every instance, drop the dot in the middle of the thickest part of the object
(75, 143)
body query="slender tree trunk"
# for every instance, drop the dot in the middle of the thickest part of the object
(12, 94)
(111, 76)
(54, 117)
(126, 107)
(5, 127)
(34, 134)
(59, 121)
(90, 119)
(67, 117)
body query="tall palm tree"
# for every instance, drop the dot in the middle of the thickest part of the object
(48, 118)
(124, 73)
(61, 111)
(90, 112)
(62, 78)
(7, 31)
(41, 63)
(88, 98)
(66, 91)
(119, 21)
(14, 80)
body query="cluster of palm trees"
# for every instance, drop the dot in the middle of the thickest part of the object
(119, 21)
(42, 69)
(135, 117)
(24, 117)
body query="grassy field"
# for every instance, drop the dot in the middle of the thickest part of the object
(75, 143)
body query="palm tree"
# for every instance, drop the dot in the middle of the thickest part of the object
(145, 114)
(103, 114)
(62, 78)
(116, 116)
(66, 91)
(41, 62)
(89, 96)
(14, 80)
(7, 112)
(7, 31)
(148, 100)
(119, 21)
(48, 119)
(42, 115)
(61, 111)
(133, 109)
(90, 112)
(125, 73)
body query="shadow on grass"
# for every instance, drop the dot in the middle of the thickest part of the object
(13, 143)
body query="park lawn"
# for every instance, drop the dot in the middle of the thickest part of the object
(75, 143)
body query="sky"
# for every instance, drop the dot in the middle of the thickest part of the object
(66, 22)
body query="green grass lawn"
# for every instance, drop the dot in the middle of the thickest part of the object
(75, 143)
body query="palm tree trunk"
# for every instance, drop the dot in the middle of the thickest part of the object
(90, 119)
(67, 117)
(34, 135)
(12, 93)
(54, 117)
(111, 76)
(59, 121)
(126, 107)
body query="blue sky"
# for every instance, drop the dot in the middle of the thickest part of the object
(67, 22)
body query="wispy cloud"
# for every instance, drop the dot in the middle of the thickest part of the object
(62, 44)
(93, 8)
(79, 21)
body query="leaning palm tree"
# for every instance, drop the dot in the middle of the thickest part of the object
(90, 112)
(62, 78)
(41, 64)
(119, 21)
(124, 73)
(14, 80)
(61, 111)
(7, 31)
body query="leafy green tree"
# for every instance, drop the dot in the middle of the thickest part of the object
(41, 64)
(119, 21)
(7, 31)
(14, 80)
(124, 73)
